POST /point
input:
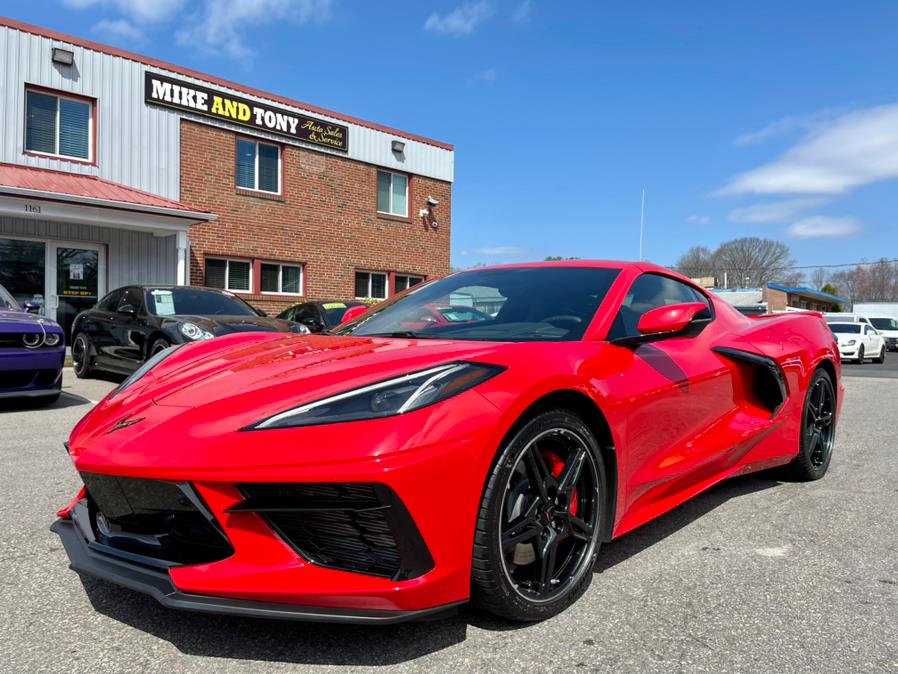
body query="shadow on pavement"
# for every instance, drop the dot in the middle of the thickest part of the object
(354, 645)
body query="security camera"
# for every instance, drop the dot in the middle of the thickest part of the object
(434, 224)
(432, 202)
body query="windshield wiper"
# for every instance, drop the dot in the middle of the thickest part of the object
(402, 334)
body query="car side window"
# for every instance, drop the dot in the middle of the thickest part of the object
(110, 302)
(132, 297)
(303, 311)
(648, 292)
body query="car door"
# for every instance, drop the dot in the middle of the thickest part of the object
(99, 326)
(131, 329)
(674, 397)
(871, 341)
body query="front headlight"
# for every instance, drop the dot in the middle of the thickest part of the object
(193, 332)
(851, 342)
(143, 369)
(52, 339)
(387, 398)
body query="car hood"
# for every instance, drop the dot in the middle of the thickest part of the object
(244, 378)
(224, 325)
(13, 320)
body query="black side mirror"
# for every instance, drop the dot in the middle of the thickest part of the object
(127, 309)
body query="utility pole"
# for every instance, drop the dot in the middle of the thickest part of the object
(641, 225)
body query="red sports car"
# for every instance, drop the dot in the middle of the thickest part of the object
(384, 474)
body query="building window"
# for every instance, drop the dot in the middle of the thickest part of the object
(234, 275)
(58, 125)
(370, 284)
(283, 279)
(403, 282)
(258, 166)
(392, 193)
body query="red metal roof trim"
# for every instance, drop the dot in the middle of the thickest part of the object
(112, 51)
(74, 184)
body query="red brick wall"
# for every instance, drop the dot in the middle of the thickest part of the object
(326, 218)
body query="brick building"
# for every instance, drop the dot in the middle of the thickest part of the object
(116, 168)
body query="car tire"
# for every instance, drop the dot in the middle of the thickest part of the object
(517, 546)
(881, 358)
(860, 356)
(160, 344)
(81, 360)
(818, 430)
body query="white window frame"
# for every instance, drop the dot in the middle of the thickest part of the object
(280, 266)
(228, 261)
(90, 126)
(257, 143)
(407, 189)
(370, 284)
(408, 277)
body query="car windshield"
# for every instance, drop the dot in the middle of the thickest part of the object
(524, 304)
(334, 311)
(194, 302)
(845, 328)
(7, 301)
(884, 323)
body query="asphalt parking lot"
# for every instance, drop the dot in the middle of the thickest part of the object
(754, 575)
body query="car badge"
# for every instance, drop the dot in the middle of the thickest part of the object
(124, 422)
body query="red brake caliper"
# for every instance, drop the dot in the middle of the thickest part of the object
(556, 465)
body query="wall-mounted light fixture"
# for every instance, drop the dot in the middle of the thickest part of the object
(63, 57)
(398, 146)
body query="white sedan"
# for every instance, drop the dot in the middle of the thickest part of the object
(859, 341)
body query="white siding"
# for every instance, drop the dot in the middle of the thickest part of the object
(138, 144)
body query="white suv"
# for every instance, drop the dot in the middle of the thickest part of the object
(859, 341)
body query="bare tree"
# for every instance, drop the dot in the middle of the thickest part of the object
(696, 262)
(819, 278)
(793, 279)
(753, 261)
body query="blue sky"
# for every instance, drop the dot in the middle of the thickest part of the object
(739, 118)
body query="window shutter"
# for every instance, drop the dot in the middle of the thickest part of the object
(246, 164)
(215, 273)
(268, 167)
(361, 284)
(40, 123)
(74, 128)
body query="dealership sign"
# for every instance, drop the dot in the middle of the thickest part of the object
(181, 95)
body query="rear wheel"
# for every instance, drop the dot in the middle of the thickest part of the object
(818, 430)
(81, 359)
(537, 533)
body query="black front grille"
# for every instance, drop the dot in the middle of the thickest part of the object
(17, 378)
(357, 527)
(162, 520)
(10, 340)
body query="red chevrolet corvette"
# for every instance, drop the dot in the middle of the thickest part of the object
(380, 474)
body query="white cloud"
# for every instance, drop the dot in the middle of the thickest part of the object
(487, 76)
(699, 219)
(119, 29)
(500, 251)
(522, 12)
(776, 211)
(217, 28)
(853, 150)
(460, 21)
(820, 226)
(787, 125)
(141, 11)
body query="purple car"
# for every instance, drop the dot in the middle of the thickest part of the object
(32, 352)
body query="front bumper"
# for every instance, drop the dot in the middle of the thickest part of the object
(158, 584)
(31, 372)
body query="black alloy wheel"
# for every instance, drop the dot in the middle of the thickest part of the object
(157, 346)
(538, 532)
(81, 357)
(818, 429)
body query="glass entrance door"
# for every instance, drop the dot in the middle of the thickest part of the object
(77, 281)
